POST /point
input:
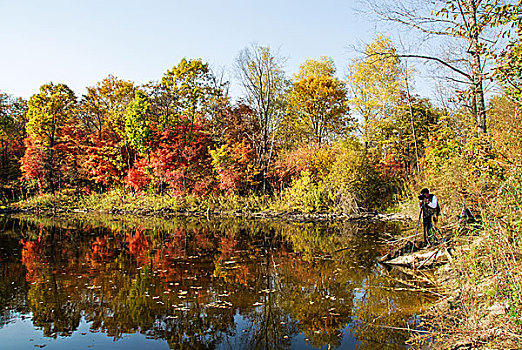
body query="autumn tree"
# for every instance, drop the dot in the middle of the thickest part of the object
(509, 72)
(375, 82)
(233, 157)
(466, 23)
(261, 74)
(318, 103)
(104, 106)
(179, 160)
(188, 89)
(48, 113)
(405, 147)
(107, 152)
(509, 62)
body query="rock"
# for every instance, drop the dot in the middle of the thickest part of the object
(497, 309)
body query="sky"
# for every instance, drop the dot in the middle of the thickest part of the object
(80, 42)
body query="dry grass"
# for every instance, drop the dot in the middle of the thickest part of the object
(485, 278)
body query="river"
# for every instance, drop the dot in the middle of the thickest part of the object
(115, 282)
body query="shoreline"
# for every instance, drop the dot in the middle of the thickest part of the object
(294, 216)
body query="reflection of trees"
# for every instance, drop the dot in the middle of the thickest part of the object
(319, 296)
(52, 307)
(49, 300)
(381, 308)
(268, 326)
(189, 283)
(13, 287)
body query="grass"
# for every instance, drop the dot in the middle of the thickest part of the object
(119, 201)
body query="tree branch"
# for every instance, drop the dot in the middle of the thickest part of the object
(436, 59)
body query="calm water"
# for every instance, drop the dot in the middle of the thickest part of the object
(130, 283)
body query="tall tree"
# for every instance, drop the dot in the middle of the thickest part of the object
(103, 107)
(261, 74)
(108, 154)
(48, 113)
(137, 126)
(466, 22)
(188, 89)
(375, 82)
(318, 103)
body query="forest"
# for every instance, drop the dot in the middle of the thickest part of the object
(312, 142)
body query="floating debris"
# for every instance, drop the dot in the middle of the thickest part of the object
(267, 291)
(220, 304)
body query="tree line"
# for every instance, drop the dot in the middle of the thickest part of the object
(355, 139)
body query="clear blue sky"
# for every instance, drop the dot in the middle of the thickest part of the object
(80, 42)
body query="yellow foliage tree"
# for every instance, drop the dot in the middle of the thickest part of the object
(317, 104)
(376, 84)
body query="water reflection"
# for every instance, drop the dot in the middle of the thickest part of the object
(203, 285)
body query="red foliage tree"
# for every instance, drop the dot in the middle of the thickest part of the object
(66, 167)
(102, 165)
(138, 177)
(33, 161)
(181, 159)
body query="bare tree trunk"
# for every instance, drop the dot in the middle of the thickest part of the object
(411, 118)
(476, 68)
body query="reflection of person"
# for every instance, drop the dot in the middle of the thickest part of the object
(429, 205)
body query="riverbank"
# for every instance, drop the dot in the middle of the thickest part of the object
(473, 314)
(254, 207)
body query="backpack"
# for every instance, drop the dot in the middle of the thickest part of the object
(436, 210)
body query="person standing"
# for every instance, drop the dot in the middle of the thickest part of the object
(430, 211)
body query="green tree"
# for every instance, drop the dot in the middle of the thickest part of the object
(318, 103)
(509, 64)
(137, 125)
(12, 133)
(48, 112)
